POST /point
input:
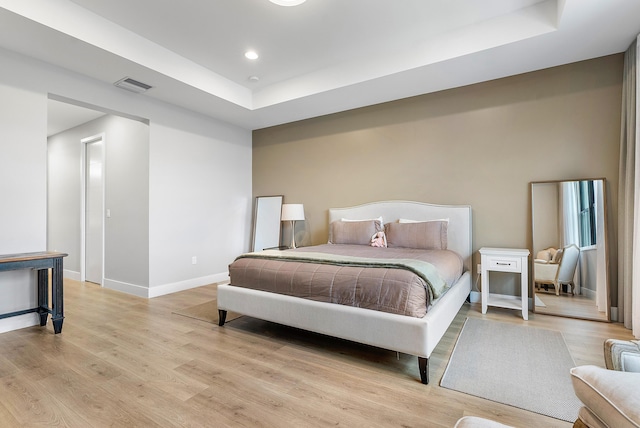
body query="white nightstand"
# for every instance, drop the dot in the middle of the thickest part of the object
(505, 260)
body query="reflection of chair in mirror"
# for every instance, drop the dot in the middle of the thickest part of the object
(560, 272)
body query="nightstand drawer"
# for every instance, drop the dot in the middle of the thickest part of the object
(504, 264)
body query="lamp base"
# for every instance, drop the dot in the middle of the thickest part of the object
(293, 234)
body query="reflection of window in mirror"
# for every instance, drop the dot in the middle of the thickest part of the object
(578, 203)
(587, 219)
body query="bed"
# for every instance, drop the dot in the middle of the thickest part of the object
(411, 333)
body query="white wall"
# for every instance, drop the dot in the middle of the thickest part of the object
(23, 169)
(127, 197)
(126, 176)
(63, 192)
(199, 180)
(200, 205)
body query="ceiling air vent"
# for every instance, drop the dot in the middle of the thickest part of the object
(132, 85)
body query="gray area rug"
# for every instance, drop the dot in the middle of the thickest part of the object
(524, 367)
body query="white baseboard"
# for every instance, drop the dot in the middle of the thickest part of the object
(589, 294)
(71, 274)
(161, 290)
(614, 313)
(475, 297)
(20, 321)
(125, 287)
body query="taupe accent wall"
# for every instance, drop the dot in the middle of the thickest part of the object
(479, 145)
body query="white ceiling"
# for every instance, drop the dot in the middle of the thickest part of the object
(321, 57)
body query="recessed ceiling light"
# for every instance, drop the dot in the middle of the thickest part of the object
(253, 78)
(287, 2)
(251, 55)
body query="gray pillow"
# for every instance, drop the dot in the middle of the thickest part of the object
(353, 232)
(427, 235)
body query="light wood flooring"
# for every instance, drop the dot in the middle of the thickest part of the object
(569, 305)
(123, 361)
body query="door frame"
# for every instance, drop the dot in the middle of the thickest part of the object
(83, 201)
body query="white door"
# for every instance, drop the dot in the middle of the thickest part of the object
(94, 211)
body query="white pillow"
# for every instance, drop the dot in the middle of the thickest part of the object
(364, 219)
(544, 255)
(405, 220)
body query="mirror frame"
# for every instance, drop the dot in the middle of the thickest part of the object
(266, 222)
(606, 248)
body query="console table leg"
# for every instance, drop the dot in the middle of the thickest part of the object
(57, 310)
(43, 317)
(57, 325)
(43, 295)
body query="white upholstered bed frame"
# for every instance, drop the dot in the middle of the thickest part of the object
(410, 335)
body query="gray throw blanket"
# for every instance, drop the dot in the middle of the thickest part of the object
(426, 271)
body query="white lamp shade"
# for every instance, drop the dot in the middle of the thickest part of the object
(292, 212)
(287, 2)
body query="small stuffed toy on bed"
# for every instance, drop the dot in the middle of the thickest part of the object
(379, 240)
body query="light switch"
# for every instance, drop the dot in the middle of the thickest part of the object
(108, 213)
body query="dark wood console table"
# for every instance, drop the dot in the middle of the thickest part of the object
(42, 262)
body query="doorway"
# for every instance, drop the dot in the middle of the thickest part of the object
(92, 251)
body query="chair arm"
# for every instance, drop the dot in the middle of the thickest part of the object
(545, 272)
(609, 395)
(622, 355)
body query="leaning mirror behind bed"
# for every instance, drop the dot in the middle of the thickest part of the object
(394, 274)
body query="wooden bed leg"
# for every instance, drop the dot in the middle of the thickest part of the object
(222, 317)
(423, 365)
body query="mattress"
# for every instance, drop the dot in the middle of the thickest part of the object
(378, 284)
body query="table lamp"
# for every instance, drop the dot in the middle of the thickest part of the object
(292, 213)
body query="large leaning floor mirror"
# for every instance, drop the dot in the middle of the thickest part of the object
(570, 252)
(266, 222)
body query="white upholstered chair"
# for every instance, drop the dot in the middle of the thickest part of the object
(477, 422)
(611, 395)
(558, 274)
